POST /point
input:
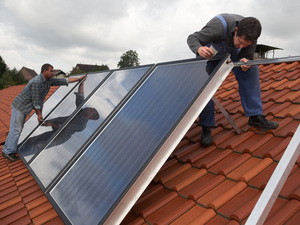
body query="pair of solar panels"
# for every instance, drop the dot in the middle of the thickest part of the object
(107, 137)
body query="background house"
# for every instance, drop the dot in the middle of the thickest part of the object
(87, 68)
(59, 74)
(261, 51)
(27, 73)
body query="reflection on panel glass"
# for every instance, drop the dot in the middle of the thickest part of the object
(98, 180)
(40, 137)
(69, 140)
(51, 102)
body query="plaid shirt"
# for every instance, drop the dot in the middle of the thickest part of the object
(34, 93)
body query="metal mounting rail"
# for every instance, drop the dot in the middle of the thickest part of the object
(276, 182)
(267, 61)
(227, 116)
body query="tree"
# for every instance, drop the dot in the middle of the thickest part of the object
(76, 71)
(9, 77)
(17, 77)
(3, 67)
(100, 68)
(89, 68)
(6, 80)
(129, 59)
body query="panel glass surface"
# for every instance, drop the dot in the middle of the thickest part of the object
(51, 102)
(98, 180)
(70, 139)
(40, 137)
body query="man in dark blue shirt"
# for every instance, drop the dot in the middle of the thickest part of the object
(236, 35)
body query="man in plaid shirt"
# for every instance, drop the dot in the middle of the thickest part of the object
(31, 97)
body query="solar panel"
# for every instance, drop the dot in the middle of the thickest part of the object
(70, 103)
(49, 105)
(67, 143)
(108, 176)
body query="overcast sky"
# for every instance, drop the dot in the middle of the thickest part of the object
(67, 32)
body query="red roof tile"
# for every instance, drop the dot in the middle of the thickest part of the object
(294, 220)
(202, 186)
(291, 189)
(241, 205)
(196, 215)
(185, 179)
(249, 169)
(220, 220)
(215, 185)
(230, 163)
(212, 158)
(171, 211)
(282, 210)
(195, 155)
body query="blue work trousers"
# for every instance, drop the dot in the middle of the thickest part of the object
(249, 89)
(17, 121)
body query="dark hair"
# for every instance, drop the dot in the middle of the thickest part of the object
(249, 27)
(45, 67)
(95, 114)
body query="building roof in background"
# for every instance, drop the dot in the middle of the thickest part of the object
(219, 184)
(85, 67)
(28, 73)
(262, 51)
(58, 72)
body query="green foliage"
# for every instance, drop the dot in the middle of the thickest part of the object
(2, 84)
(17, 77)
(100, 68)
(129, 59)
(9, 77)
(76, 71)
(3, 67)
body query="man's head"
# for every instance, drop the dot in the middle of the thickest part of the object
(247, 31)
(47, 71)
(91, 113)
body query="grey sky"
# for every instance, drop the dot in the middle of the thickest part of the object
(68, 32)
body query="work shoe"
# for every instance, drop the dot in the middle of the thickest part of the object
(12, 156)
(262, 122)
(206, 138)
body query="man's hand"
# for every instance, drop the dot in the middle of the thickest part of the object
(244, 67)
(39, 115)
(205, 52)
(76, 79)
(48, 124)
(82, 77)
(40, 119)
